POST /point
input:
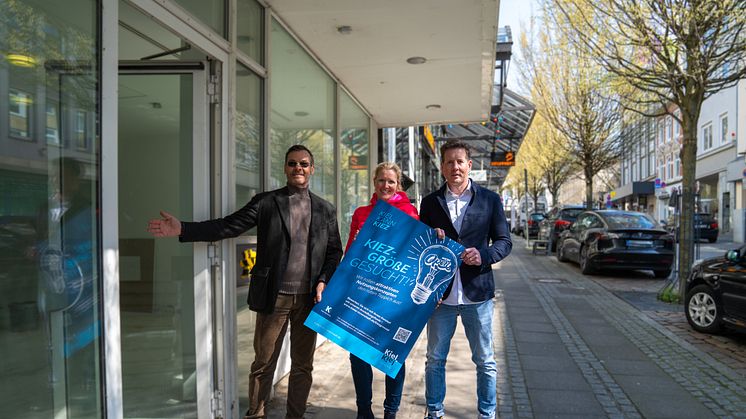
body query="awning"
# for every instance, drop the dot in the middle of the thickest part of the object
(512, 118)
(366, 45)
(634, 188)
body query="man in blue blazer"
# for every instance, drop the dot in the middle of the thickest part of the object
(472, 215)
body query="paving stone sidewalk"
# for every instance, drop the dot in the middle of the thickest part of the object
(566, 347)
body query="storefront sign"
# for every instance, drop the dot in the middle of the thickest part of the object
(386, 288)
(502, 159)
(358, 162)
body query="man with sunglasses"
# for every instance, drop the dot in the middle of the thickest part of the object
(298, 249)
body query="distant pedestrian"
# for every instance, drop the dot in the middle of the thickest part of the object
(298, 250)
(472, 215)
(387, 184)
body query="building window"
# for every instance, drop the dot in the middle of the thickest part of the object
(724, 129)
(677, 166)
(248, 152)
(81, 130)
(53, 124)
(355, 164)
(669, 167)
(19, 109)
(669, 129)
(249, 37)
(661, 131)
(303, 112)
(50, 305)
(707, 137)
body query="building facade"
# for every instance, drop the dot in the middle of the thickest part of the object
(652, 158)
(113, 110)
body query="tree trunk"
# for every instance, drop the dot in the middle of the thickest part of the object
(588, 191)
(686, 228)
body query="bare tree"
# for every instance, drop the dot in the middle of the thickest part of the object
(570, 92)
(675, 54)
(543, 147)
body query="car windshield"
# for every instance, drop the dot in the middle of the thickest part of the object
(572, 213)
(538, 217)
(629, 220)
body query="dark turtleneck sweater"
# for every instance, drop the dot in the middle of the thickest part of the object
(297, 276)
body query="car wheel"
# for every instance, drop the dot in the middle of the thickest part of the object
(712, 239)
(662, 274)
(703, 310)
(561, 253)
(585, 264)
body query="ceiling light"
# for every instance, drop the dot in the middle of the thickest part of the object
(300, 113)
(432, 106)
(21, 60)
(344, 29)
(416, 60)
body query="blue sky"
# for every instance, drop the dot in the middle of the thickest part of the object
(513, 13)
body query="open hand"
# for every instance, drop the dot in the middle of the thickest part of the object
(168, 226)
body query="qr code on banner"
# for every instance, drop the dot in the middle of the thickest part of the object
(402, 335)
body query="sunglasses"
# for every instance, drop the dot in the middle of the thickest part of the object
(303, 164)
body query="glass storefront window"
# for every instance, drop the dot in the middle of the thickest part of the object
(209, 12)
(50, 318)
(250, 29)
(248, 170)
(356, 169)
(248, 134)
(303, 97)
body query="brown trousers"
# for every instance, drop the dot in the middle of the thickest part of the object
(268, 336)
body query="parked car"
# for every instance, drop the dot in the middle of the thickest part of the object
(705, 227)
(617, 239)
(533, 225)
(557, 221)
(716, 293)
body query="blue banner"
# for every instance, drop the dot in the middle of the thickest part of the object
(386, 288)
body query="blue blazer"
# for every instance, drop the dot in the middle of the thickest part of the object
(484, 227)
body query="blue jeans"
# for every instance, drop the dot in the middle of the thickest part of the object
(362, 376)
(477, 321)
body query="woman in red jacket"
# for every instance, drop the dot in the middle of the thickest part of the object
(387, 184)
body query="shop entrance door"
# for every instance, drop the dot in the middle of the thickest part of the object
(165, 291)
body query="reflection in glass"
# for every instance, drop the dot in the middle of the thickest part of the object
(248, 134)
(156, 276)
(49, 271)
(19, 110)
(80, 133)
(53, 128)
(355, 161)
(303, 97)
(250, 29)
(210, 12)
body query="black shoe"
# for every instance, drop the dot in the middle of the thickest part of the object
(389, 415)
(365, 413)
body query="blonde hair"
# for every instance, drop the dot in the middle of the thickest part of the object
(389, 166)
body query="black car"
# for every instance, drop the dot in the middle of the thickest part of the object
(705, 227)
(557, 221)
(617, 240)
(716, 293)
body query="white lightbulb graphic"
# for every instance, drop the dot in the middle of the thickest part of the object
(437, 264)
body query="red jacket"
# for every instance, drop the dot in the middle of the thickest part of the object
(399, 200)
